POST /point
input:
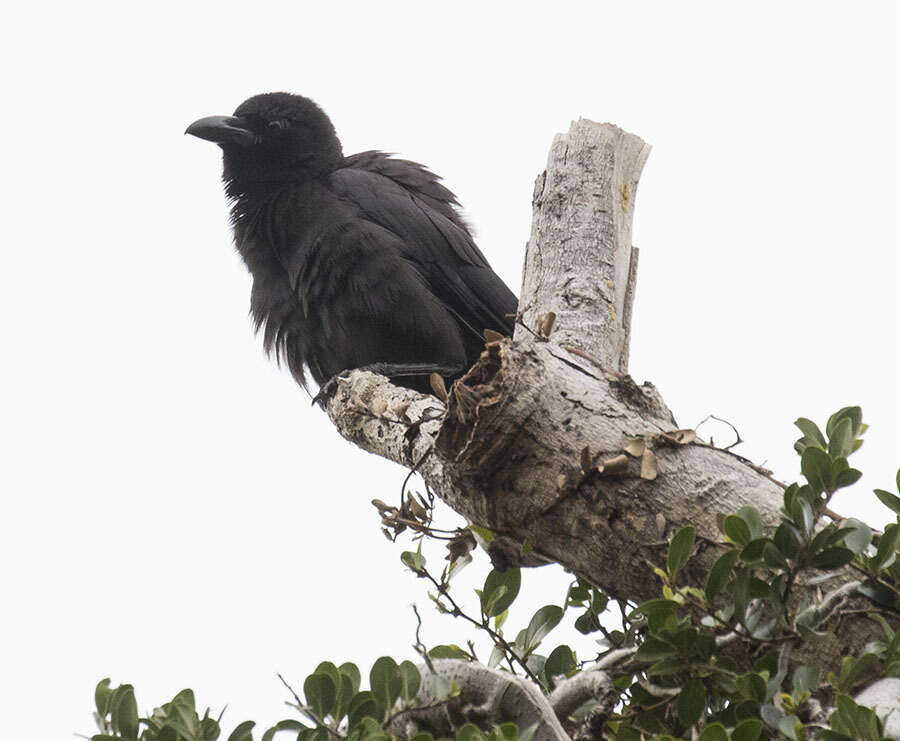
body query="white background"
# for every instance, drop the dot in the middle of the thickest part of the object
(174, 512)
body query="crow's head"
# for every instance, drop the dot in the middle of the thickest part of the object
(272, 138)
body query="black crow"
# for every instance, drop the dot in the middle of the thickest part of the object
(359, 261)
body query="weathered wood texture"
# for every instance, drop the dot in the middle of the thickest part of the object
(579, 262)
(524, 431)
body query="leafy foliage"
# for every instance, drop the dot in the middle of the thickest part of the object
(678, 675)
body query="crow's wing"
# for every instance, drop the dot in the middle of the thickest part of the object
(406, 199)
(416, 178)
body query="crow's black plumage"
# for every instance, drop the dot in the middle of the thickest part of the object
(358, 261)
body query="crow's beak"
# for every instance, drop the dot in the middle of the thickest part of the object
(222, 130)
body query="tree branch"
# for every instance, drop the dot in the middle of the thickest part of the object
(518, 448)
(487, 697)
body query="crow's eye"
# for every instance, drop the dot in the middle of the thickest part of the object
(281, 123)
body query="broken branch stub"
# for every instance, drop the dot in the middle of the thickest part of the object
(579, 262)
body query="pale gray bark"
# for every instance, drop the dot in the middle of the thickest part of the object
(547, 440)
(487, 697)
(883, 697)
(579, 262)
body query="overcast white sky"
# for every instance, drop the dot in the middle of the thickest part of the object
(174, 512)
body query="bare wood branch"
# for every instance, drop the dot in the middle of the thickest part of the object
(487, 697)
(579, 262)
(508, 452)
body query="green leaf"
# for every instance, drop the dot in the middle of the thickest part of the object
(680, 549)
(786, 540)
(714, 732)
(737, 530)
(816, 467)
(506, 732)
(855, 671)
(847, 477)
(123, 711)
(320, 694)
(470, 732)
(811, 431)
(887, 548)
(826, 734)
(543, 621)
(878, 593)
(344, 695)
(691, 701)
(536, 664)
(493, 602)
(773, 557)
(741, 593)
(587, 622)
(561, 661)
(790, 493)
(840, 440)
(752, 686)
(449, 651)
(653, 649)
(283, 725)
(669, 666)
(751, 516)
(658, 612)
(410, 679)
(351, 670)
(422, 736)
(748, 729)
(802, 516)
(579, 593)
(243, 731)
(528, 733)
(806, 679)
(857, 721)
(413, 561)
(786, 724)
(497, 654)
(891, 501)
(369, 729)
(754, 550)
(482, 532)
(856, 535)
(832, 558)
(363, 705)
(718, 574)
(384, 679)
(854, 414)
(326, 667)
(102, 696)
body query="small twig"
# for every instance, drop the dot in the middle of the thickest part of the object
(415, 709)
(413, 470)
(495, 636)
(291, 690)
(877, 579)
(298, 704)
(418, 646)
(529, 329)
(738, 439)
